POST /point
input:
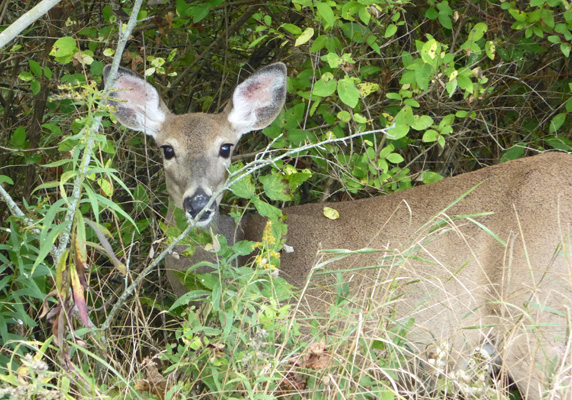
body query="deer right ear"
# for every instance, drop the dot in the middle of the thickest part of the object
(257, 101)
(139, 106)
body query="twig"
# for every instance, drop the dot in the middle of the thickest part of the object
(131, 288)
(26, 20)
(95, 126)
(232, 179)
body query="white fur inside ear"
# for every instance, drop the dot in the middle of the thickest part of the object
(252, 96)
(140, 105)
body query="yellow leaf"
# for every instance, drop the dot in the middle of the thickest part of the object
(330, 213)
(304, 37)
(367, 88)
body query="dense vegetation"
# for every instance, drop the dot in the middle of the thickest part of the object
(465, 84)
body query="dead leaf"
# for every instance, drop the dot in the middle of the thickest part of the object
(155, 383)
(317, 357)
(331, 213)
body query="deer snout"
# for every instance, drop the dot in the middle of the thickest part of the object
(194, 204)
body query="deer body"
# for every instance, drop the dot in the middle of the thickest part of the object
(460, 283)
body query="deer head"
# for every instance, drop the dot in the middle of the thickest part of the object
(197, 147)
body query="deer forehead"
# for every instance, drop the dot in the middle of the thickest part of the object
(196, 135)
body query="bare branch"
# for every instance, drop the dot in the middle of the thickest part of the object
(25, 21)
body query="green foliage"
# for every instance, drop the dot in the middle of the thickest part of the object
(456, 85)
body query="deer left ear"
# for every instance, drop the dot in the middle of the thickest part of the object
(258, 100)
(139, 106)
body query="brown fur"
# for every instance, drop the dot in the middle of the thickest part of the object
(458, 282)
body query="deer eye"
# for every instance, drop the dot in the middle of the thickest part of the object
(225, 150)
(168, 152)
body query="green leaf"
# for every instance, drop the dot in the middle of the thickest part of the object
(390, 31)
(421, 123)
(348, 92)
(445, 20)
(431, 13)
(64, 49)
(478, 31)
(451, 86)
(423, 75)
(244, 247)
(393, 96)
(326, 86)
(35, 86)
(244, 188)
(304, 37)
(565, 48)
(325, 12)
(430, 177)
(398, 131)
(19, 137)
(36, 68)
(319, 43)
(333, 60)
(344, 116)
(25, 76)
(514, 152)
(430, 136)
(6, 179)
(394, 158)
(557, 122)
(293, 29)
(276, 187)
(518, 15)
(266, 210)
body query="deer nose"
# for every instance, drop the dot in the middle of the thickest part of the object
(194, 204)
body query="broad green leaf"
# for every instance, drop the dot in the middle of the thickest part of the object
(64, 49)
(325, 12)
(348, 92)
(276, 187)
(422, 122)
(326, 86)
(36, 68)
(244, 188)
(430, 177)
(6, 179)
(293, 29)
(319, 43)
(398, 131)
(265, 209)
(423, 75)
(25, 76)
(430, 136)
(344, 116)
(514, 152)
(557, 122)
(35, 86)
(395, 158)
(390, 31)
(478, 31)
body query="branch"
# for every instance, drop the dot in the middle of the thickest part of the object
(26, 20)
(95, 126)
(233, 178)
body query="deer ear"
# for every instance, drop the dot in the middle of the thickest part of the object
(139, 106)
(257, 101)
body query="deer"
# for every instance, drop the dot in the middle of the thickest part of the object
(479, 259)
